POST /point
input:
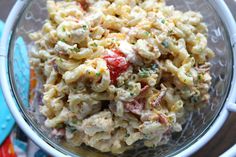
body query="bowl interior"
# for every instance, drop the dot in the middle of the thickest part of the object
(32, 19)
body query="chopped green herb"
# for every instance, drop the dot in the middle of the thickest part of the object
(62, 40)
(185, 90)
(163, 21)
(154, 67)
(200, 77)
(131, 94)
(88, 72)
(201, 50)
(94, 45)
(61, 125)
(170, 32)
(165, 43)
(74, 121)
(195, 99)
(144, 73)
(60, 60)
(75, 49)
(71, 128)
(189, 74)
(146, 136)
(51, 19)
(84, 27)
(63, 29)
(147, 33)
(98, 74)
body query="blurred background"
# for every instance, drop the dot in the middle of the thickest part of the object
(224, 139)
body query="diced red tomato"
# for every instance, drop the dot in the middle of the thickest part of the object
(116, 63)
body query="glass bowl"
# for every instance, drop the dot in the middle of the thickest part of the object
(30, 18)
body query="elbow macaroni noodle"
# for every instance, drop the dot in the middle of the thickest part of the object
(119, 71)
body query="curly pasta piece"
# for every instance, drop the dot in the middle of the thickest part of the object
(61, 118)
(144, 50)
(182, 73)
(73, 51)
(73, 32)
(91, 69)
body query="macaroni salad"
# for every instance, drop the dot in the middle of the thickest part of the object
(115, 72)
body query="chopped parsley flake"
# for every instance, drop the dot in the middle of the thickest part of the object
(147, 33)
(154, 67)
(98, 74)
(88, 72)
(200, 77)
(74, 121)
(84, 27)
(63, 29)
(63, 40)
(201, 50)
(189, 74)
(131, 94)
(94, 45)
(195, 99)
(170, 32)
(144, 73)
(163, 21)
(59, 126)
(75, 49)
(71, 128)
(165, 43)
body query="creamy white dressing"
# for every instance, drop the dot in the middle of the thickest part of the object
(128, 50)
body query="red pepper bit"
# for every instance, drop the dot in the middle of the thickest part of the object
(117, 64)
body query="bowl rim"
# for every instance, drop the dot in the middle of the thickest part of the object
(215, 125)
